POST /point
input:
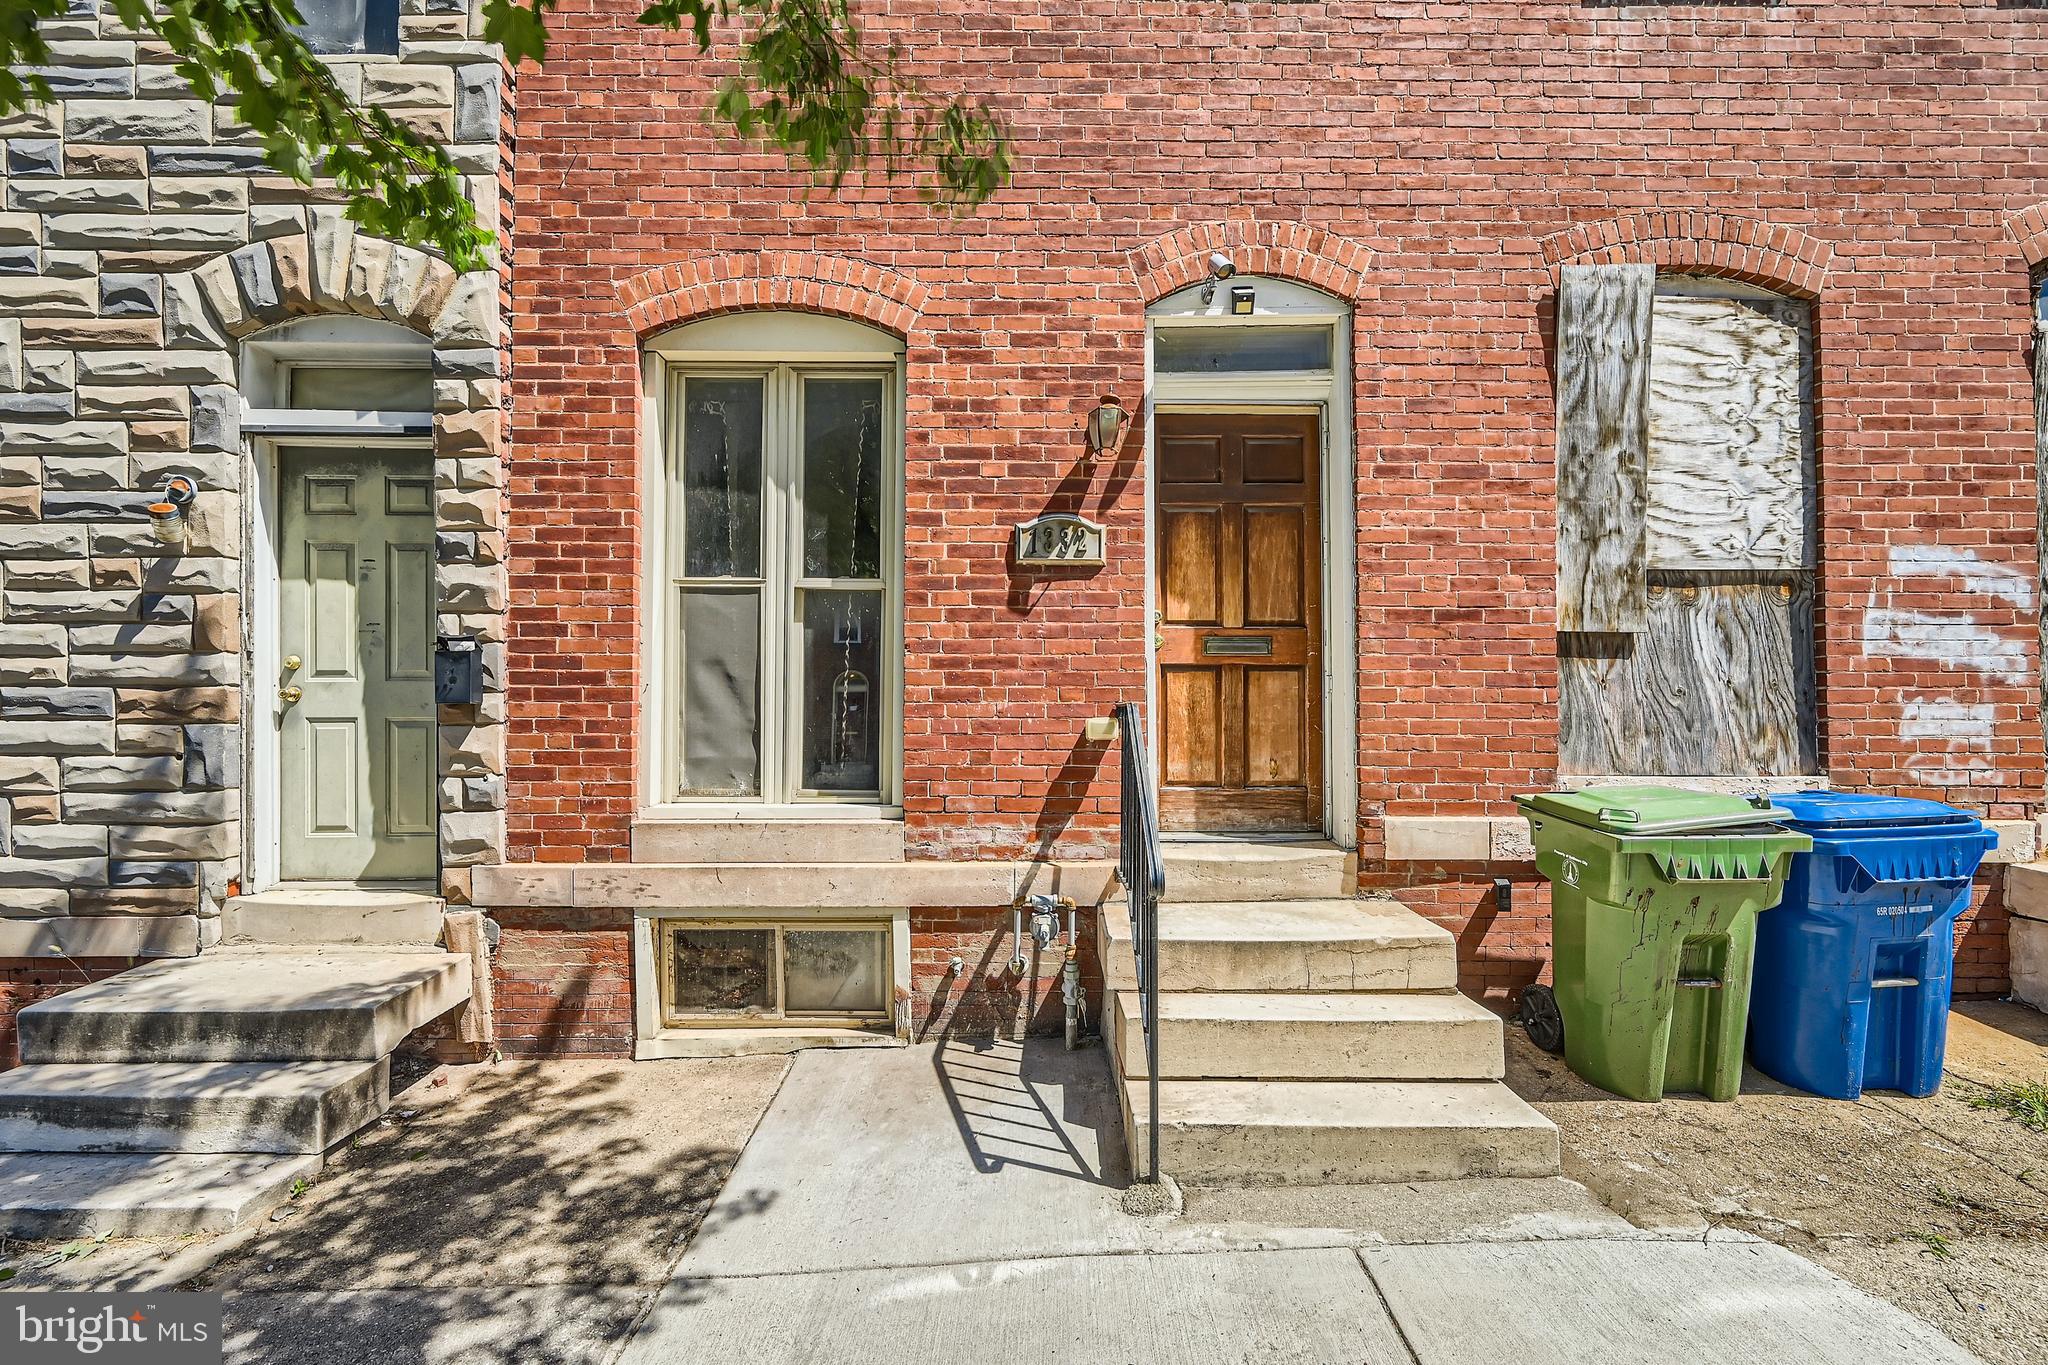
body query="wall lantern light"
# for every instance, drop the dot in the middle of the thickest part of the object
(1105, 424)
(170, 514)
(1221, 267)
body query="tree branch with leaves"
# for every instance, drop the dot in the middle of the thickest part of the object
(807, 84)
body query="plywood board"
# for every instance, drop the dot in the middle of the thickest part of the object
(1603, 363)
(1731, 434)
(1718, 683)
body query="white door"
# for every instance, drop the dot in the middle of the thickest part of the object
(356, 723)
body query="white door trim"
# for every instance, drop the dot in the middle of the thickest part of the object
(1327, 393)
(262, 627)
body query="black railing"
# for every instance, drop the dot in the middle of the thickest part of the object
(1143, 874)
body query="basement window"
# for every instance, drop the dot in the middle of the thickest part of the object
(746, 973)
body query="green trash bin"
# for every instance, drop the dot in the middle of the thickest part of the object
(1654, 895)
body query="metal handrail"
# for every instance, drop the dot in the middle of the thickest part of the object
(1142, 870)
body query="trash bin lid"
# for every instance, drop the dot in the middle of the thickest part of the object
(1652, 810)
(1848, 810)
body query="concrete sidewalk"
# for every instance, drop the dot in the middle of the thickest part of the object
(952, 1200)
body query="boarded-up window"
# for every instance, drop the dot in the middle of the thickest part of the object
(1714, 675)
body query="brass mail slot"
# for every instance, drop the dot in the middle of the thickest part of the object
(1237, 646)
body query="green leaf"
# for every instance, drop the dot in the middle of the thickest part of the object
(806, 86)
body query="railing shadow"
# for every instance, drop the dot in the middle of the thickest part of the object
(996, 1091)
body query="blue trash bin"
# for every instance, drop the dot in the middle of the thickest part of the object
(1855, 965)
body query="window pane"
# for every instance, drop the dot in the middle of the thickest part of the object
(363, 388)
(349, 25)
(722, 478)
(843, 478)
(835, 971)
(722, 971)
(842, 682)
(1205, 350)
(721, 692)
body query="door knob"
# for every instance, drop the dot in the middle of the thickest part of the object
(292, 663)
(288, 695)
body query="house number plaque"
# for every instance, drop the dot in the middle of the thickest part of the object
(1060, 538)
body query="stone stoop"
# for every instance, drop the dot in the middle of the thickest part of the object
(316, 916)
(188, 1096)
(1306, 1037)
(2026, 902)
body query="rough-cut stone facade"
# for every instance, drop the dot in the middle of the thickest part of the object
(141, 241)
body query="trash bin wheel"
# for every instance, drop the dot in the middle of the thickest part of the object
(1540, 1017)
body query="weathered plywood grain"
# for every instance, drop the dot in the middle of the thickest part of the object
(1731, 434)
(1718, 683)
(1603, 380)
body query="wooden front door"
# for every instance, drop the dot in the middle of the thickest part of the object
(356, 723)
(1240, 622)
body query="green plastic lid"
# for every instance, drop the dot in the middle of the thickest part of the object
(1652, 810)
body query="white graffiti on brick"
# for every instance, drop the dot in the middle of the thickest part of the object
(1953, 739)
(1960, 732)
(1951, 641)
(1979, 577)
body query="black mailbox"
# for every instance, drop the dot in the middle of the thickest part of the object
(458, 671)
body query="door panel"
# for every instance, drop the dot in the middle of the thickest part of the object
(358, 748)
(1275, 556)
(1192, 564)
(1191, 735)
(1240, 648)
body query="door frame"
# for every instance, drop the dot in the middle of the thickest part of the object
(1327, 395)
(263, 616)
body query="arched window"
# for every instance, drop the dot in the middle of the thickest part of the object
(778, 560)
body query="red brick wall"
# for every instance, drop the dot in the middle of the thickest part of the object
(985, 998)
(24, 981)
(563, 984)
(1430, 162)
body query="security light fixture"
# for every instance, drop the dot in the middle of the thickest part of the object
(1243, 299)
(1105, 424)
(1221, 267)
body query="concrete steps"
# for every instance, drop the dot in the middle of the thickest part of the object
(1316, 1037)
(1258, 870)
(54, 1194)
(1236, 1132)
(248, 1005)
(314, 917)
(1306, 1036)
(189, 1096)
(288, 1107)
(1334, 944)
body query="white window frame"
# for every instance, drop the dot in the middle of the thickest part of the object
(785, 348)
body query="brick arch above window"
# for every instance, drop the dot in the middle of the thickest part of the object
(335, 269)
(1256, 246)
(797, 281)
(2029, 227)
(1748, 249)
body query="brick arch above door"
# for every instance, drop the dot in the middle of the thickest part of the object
(1257, 246)
(798, 281)
(1773, 255)
(2029, 227)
